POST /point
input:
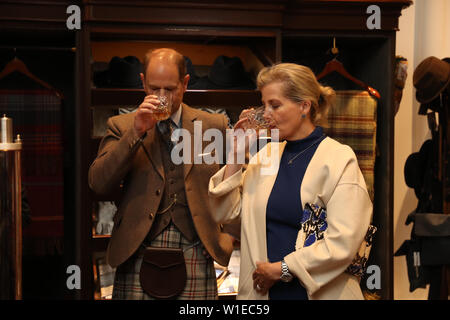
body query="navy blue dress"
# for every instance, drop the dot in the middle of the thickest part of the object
(284, 210)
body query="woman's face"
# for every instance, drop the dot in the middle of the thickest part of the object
(285, 114)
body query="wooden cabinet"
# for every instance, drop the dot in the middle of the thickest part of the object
(125, 28)
(298, 31)
(270, 31)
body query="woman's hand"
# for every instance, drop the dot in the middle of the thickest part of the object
(240, 128)
(239, 134)
(236, 156)
(243, 119)
(266, 275)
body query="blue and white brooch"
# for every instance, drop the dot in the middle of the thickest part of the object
(314, 224)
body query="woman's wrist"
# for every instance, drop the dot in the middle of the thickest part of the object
(276, 270)
(231, 169)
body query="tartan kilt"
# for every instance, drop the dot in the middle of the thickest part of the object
(201, 283)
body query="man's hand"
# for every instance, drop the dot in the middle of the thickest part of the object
(144, 120)
(266, 275)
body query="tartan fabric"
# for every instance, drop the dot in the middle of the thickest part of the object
(201, 281)
(353, 121)
(37, 117)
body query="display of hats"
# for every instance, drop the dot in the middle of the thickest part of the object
(190, 70)
(121, 73)
(415, 167)
(226, 73)
(430, 78)
(219, 111)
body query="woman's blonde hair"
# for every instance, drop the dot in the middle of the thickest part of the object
(300, 84)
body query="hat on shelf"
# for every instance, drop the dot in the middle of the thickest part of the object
(190, 70)
(219, 111)
(415, 167)
(430, 78)
(226, 73)
(121, 73)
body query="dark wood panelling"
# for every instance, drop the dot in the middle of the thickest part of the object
(83, 196)
(36, 15)
(340, 15)
(299, 14)
(186, 13)
(100, 243)
(103, 31)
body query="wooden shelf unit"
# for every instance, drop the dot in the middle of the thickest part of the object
(268, 30)
(99, 34)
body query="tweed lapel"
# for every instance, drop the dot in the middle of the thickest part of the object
(152, 148)
(188, 117)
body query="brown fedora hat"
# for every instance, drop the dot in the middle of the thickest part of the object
(430, 78)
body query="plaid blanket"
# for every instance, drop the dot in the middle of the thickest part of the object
(353, 121)
(37, 117)
(201, 281)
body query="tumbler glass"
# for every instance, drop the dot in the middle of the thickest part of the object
(257, 121)
(164, 107)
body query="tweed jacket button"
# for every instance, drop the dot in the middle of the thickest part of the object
(151, 215)
(158, 192)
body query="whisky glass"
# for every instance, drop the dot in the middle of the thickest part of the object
(164, 108)
(257, 122)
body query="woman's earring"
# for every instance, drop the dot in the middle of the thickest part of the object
(303, 116)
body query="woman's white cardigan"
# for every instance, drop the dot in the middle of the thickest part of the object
(332, 180)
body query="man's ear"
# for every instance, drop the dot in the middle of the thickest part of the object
(142, 79)
(186, 81)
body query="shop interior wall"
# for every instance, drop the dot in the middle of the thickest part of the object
(424, 31)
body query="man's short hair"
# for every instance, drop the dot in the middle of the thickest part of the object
(175, 55)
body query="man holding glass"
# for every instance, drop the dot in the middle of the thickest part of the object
(164, 213)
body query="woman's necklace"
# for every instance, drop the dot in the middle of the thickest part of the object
(304, 150)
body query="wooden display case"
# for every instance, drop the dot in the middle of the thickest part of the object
(299, 31)
(100, 41)
(268, 31)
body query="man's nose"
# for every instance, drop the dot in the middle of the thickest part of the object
(159, 92)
